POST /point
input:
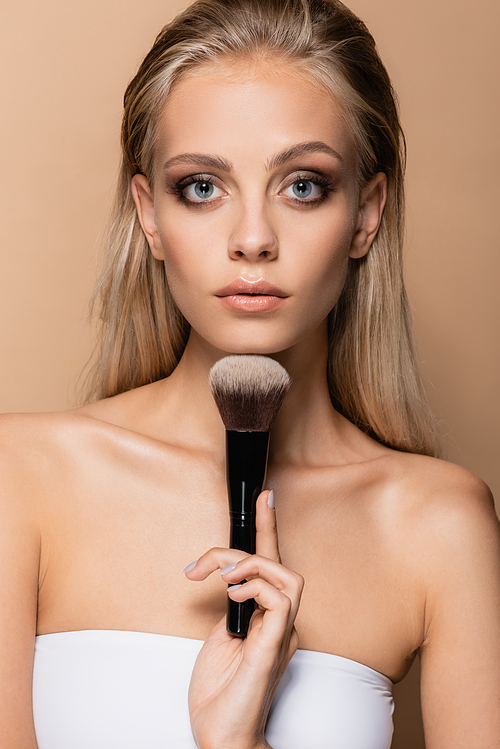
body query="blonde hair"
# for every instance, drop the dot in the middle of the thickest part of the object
(372, 368)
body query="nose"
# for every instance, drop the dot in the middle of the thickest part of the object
(253, 236)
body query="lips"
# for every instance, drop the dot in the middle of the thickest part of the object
(245, 296)
(240, 286)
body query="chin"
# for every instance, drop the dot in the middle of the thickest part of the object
(266, 340)
(253, 348)
(244, 344)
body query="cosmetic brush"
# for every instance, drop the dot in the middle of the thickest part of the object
(248, 391)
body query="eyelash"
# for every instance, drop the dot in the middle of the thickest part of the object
(177, 188)
(327, 187)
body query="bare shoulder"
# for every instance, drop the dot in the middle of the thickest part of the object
(446, 524)
(449, 548)
(32, 450)
(434, 516)
(19, 517)
(40, 451)
(27, 439)
(441, 489)
(436, 489)
(36, 448)
(415, 494)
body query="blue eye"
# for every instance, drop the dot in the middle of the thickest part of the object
(304, 189)
(201, 190)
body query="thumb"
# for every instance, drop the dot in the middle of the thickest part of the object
(265, 521)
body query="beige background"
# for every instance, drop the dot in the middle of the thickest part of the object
(64, 69)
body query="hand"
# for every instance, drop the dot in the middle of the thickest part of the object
(234, 679)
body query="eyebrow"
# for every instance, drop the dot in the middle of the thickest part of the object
(316, 146)
(200, 159)
(204, 159)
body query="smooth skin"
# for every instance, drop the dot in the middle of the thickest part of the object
(103, 507)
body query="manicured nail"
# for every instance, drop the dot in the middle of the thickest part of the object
(270, 500)
(234, 587)
(190, 566)
(229, 568)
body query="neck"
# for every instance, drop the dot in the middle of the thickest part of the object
(305, 419)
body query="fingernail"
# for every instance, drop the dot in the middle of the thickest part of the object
(270, 499)
(229, 568)
(190, 566)
(234, 587)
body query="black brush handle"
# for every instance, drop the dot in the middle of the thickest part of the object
(246, 463)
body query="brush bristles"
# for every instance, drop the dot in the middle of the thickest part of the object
(248, 391)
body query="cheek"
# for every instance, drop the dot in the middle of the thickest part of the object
(184, 251)
(326, 284)
(183, 269)
(320, 257)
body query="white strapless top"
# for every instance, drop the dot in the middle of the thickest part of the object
(107, 689)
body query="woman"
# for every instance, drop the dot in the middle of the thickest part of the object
(259, 211)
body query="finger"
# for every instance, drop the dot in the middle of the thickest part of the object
(265, 522)
(278, 608)
(284, 580)
(214, 559)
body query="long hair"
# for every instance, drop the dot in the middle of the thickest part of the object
(372, 368)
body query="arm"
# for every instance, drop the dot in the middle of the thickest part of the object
(234, 680)
(19, 558)
(460, 655)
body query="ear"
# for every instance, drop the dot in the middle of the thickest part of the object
(144, 203)
(371, 204)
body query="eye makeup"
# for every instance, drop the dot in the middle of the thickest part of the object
(304, 184)
(300, 184)
(203, 184)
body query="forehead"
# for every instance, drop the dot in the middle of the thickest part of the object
(254, 110)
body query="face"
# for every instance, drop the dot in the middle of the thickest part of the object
(255, 207)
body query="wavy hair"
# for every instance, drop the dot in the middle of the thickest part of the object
(372, 368)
